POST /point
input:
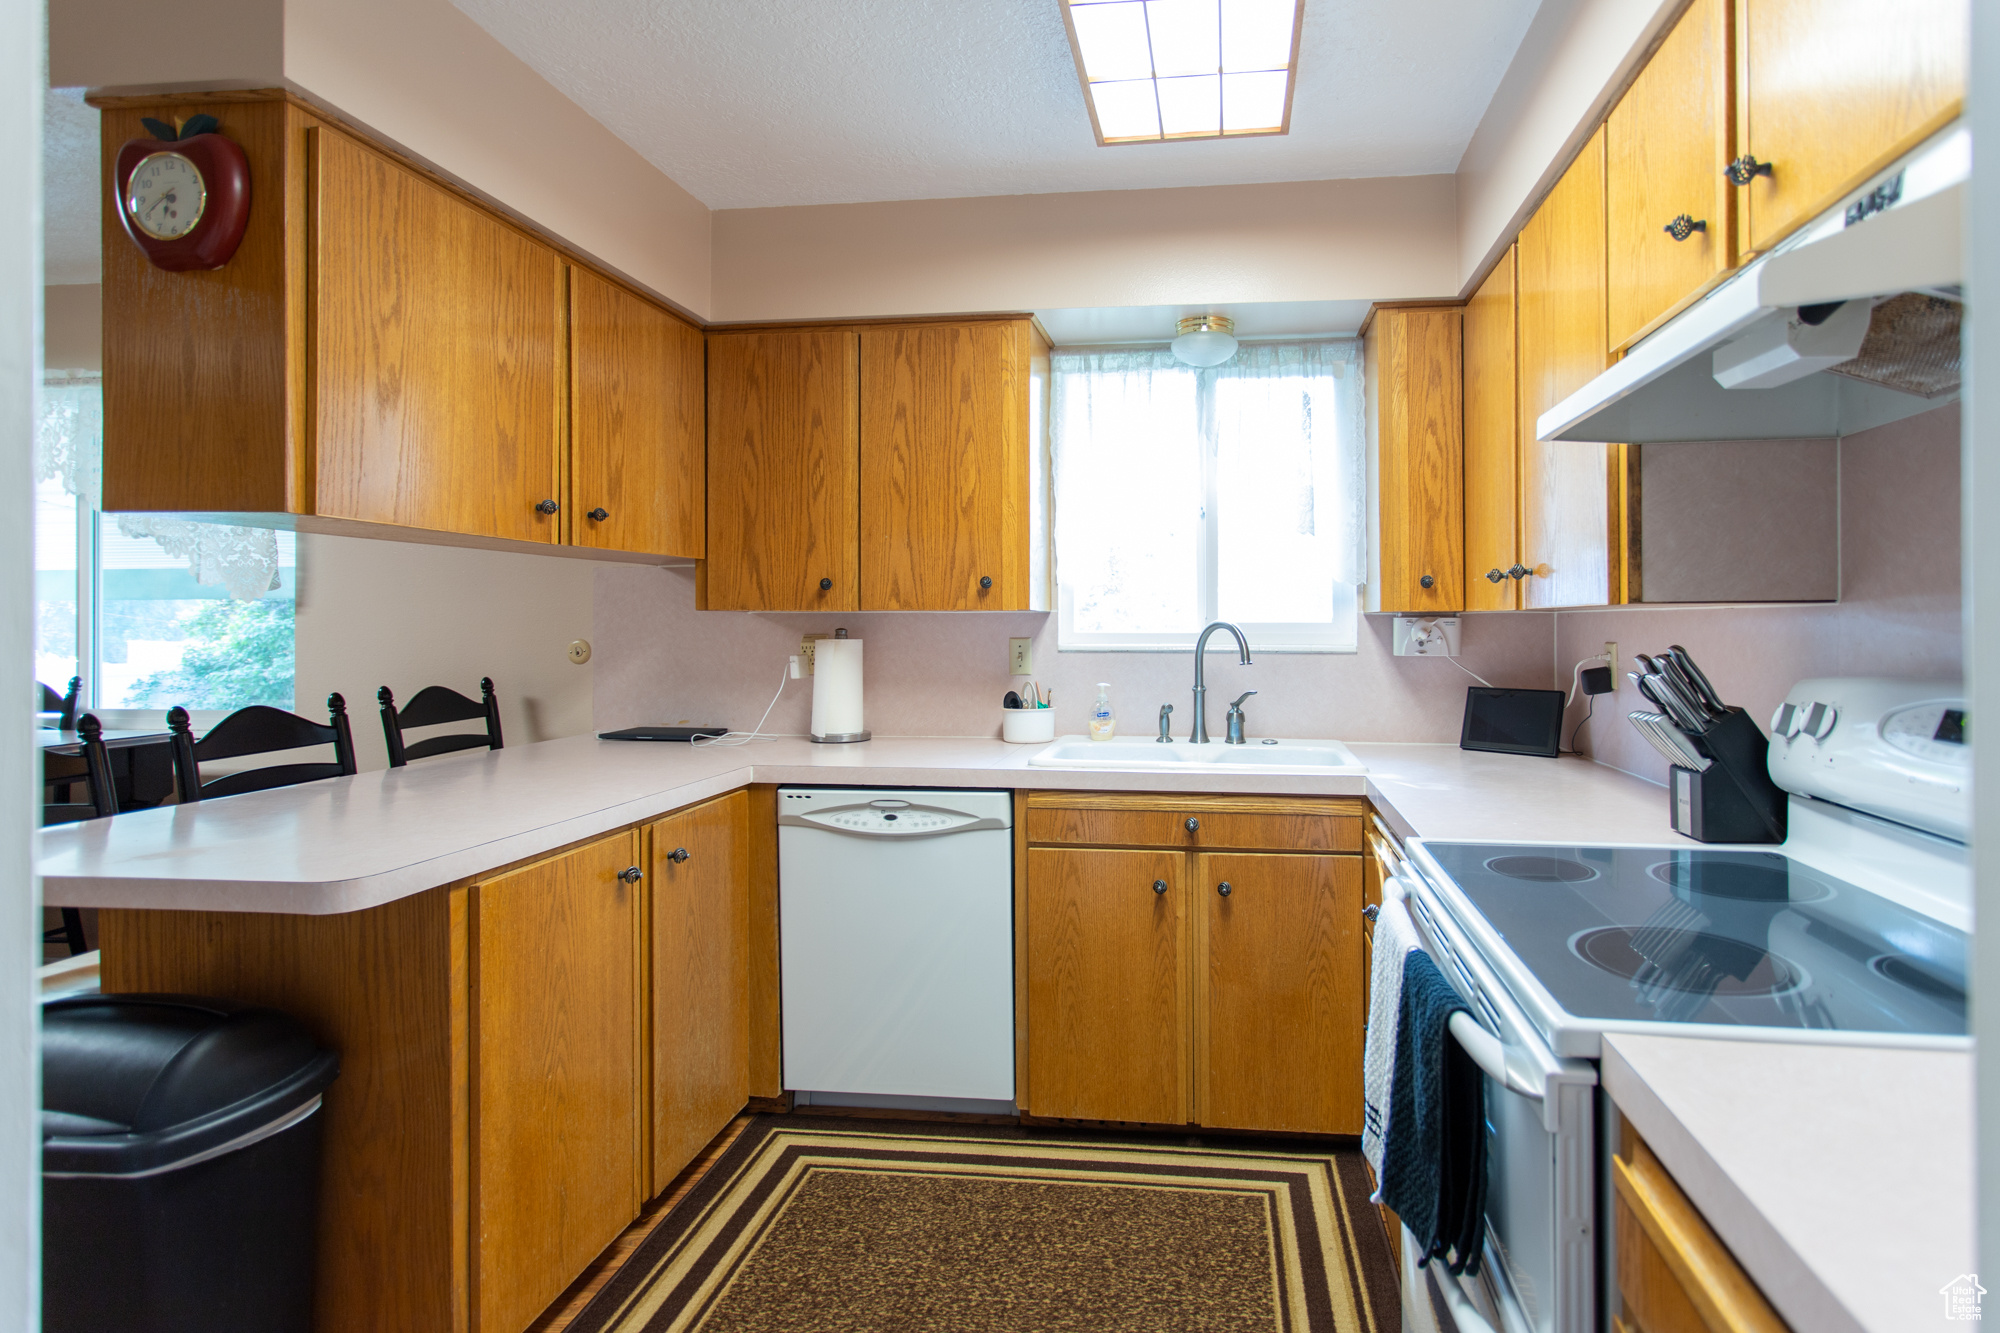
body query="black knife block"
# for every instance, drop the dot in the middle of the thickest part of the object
(1734, 799)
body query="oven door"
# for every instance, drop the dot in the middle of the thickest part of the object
(1539, 1274)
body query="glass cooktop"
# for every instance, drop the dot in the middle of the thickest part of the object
(1669, 935)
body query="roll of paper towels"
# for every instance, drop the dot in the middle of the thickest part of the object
(837, 690)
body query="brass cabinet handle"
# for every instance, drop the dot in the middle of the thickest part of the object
(599, 514)
(1683, 227)
(1223, 888)
(678, 855)
(1746, 169)
(1193, 824)
(547, 507)
(631, 874)
(1159, 886)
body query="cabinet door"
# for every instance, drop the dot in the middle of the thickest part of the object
(555, 1075)
(436, 355)
(1492, 485)
(944, 467)
(701, 1015)
(1280, 996)
(783, 468)
(1107, 985)
(1417, 450)
(1566, 487)
(1665, 145)
(636, 443)
(1831, 91)
(1674, 1273)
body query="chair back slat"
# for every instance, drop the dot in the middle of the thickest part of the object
(258, 729)
(434, 704)
(90, 766)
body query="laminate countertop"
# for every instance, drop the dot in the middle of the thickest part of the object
(345, 844)
(1841, 1177)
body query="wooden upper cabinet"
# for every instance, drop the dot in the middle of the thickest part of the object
(555, 1061)
(1415, 458)
(437, 354)
(1669, 209)
(700, 994)
(783, 472)
(1492, 425)
(1831, 91)
(636, 423)
(945, 466)
(1569, 538)
(1107, 985)
(1279, 993)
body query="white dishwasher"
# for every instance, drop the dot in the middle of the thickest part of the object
(896, 941)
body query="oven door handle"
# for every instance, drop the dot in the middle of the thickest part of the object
(1490, 1054)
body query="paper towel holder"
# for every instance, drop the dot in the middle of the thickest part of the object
(839, 737)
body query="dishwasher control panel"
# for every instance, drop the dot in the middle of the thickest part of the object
(877, 814)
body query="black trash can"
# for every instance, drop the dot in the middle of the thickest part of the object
(180, 1166)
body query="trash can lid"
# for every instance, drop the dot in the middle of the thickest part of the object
(132, 1084)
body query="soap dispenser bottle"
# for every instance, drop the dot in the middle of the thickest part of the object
(1102, 724)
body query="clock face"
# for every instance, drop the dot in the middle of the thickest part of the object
(165, 196)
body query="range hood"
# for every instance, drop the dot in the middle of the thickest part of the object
(1869, 292)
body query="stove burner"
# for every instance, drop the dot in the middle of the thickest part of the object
(1695, 963)
(1541, 869)
(1918, 976)
(1751, 877)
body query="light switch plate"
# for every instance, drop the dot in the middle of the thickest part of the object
(1426, 636)
(1020, 656)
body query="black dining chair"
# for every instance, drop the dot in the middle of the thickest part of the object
(87, 764)
(432, 705)
(64, 704)
(258, 729)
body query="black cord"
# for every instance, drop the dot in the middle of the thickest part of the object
(1578, 728)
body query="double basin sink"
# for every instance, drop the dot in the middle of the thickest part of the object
(1320, 758)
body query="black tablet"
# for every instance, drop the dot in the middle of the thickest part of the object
(661, 733)
(1512, 721)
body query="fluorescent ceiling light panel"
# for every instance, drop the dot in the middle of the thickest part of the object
(1156, 70)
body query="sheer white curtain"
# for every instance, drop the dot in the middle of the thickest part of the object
(1185, 495)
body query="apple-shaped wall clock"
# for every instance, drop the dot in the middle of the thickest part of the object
(184, 194)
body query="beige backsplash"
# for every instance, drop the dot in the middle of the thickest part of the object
(659, 660)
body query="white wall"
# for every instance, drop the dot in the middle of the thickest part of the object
(21, 45)
(426, 78)
(374, 613)
(1299, 241)
(1576, 54)
(73, 333)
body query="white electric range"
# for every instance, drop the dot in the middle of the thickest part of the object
(1855, 929)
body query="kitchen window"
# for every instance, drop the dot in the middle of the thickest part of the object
(1184, 496)
(151, 610)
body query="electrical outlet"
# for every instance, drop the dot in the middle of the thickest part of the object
(1020, 656)
(806, 642)
(1425, 636)
(1611, 658)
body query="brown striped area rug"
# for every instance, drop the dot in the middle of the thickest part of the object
(825, 1225)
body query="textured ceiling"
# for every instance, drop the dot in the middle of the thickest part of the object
(70, 236)
(756, 103)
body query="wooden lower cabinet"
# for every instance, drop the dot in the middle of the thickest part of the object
(1674, 1274)
(1108, 993)
(1151, 996)
(700, 974)
(1276, 1044)
(555, 1061)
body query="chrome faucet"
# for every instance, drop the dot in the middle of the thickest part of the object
(1234, 736)
(1166, 736)
(1199, 736)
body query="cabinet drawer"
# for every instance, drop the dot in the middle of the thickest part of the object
(1290, 823)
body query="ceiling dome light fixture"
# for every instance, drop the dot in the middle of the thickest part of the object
(1206, 340)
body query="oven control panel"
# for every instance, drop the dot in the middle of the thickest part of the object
(1900, 749)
